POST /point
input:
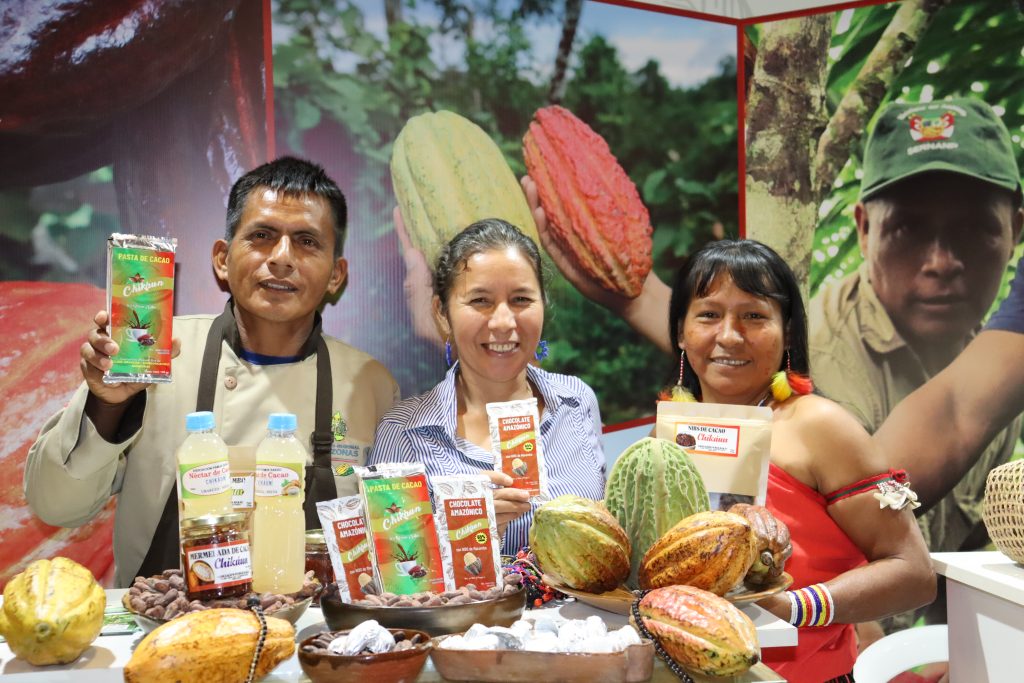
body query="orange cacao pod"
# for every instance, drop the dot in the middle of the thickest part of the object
(773, 543)
(594, 210)
(708, 550)
(700, 631)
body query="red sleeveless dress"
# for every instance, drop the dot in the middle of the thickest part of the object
(821, 551)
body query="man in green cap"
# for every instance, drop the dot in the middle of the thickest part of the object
(938, 217)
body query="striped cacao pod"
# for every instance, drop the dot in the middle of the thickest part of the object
(701, 631)
(593, 209)
(652, 486)
(579, 542)
(709, 550)
(773, 544)
(447, 174)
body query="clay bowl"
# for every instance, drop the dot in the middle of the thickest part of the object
(403, 666)
(437, 621)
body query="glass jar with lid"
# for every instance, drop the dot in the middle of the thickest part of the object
(318, 559)
(215, 556)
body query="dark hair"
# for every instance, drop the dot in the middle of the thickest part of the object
(484, 235)
(292, 177)
(757, 270)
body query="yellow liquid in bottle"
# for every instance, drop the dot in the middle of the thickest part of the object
(204, 476)
(279, 523)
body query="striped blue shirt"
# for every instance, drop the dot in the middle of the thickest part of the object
(422, 429)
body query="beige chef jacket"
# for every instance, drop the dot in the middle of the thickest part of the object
(72, 471)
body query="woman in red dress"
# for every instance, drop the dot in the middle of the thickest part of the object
(738, 321)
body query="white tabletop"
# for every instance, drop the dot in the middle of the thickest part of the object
(988, 571)
(105, 660)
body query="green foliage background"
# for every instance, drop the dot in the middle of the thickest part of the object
(678, 145)
(975, 48)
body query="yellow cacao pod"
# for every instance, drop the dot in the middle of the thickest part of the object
(580, 542)
(709, 550)
(52, 612)
(448, 173)
(209, 646)
(701, 631)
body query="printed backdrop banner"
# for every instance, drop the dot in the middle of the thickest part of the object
(148, 137)
(900, 281)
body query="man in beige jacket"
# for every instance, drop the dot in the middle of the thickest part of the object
(281, 257)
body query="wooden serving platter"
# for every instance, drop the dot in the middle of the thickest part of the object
(619, 600)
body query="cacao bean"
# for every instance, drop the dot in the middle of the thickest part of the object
(139, 605)
(167, 598)
(161, 586)
(155, 612)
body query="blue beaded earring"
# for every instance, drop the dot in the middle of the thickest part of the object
(542, 351)
(448, 352)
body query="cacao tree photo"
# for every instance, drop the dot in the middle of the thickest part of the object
(659, 89)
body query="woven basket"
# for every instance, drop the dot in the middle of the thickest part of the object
(1004, 509)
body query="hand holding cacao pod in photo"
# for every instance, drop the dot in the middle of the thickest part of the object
(419, 292)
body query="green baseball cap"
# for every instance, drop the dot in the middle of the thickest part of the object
(961, 135)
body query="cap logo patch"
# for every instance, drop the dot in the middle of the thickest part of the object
(931, 129)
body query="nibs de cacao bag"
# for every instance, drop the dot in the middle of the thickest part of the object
(140, 303)
(467, 530)
(400, 524)
(730, 445)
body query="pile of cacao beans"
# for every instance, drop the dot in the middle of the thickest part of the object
(463, 596)
(164, 596)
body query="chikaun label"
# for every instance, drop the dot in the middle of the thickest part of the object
(278, 479)
(218, 566)
(201, 480)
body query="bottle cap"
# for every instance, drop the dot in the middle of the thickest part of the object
(197, 422)
(281, 422)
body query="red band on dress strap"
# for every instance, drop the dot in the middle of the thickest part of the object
(865, 485)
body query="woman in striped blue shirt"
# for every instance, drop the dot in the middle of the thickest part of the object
(489, 303)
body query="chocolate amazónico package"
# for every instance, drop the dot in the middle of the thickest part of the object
(515, 442)
(468, 530)
(348, 545)
(403, 538)
(140, 302)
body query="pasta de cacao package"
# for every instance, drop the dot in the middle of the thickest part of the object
(140, 301)
(400, 523)
(467, 530)
(729, 444)
(348, 545)
(515, 442)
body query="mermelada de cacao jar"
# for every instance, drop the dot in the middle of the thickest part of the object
(215, 556)
(318, 559)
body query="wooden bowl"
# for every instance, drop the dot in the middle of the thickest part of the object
(632, 665)
(403, 666)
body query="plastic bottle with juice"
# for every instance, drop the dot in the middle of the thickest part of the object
(279, 523)
(204, 475)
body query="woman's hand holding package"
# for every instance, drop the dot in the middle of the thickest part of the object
(509, 503)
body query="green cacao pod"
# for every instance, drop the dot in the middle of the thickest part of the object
(701, 631)
(652, 486)
(448, 173)
(593, 209)
(774, 546)
(579, 542)
(708, 550)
